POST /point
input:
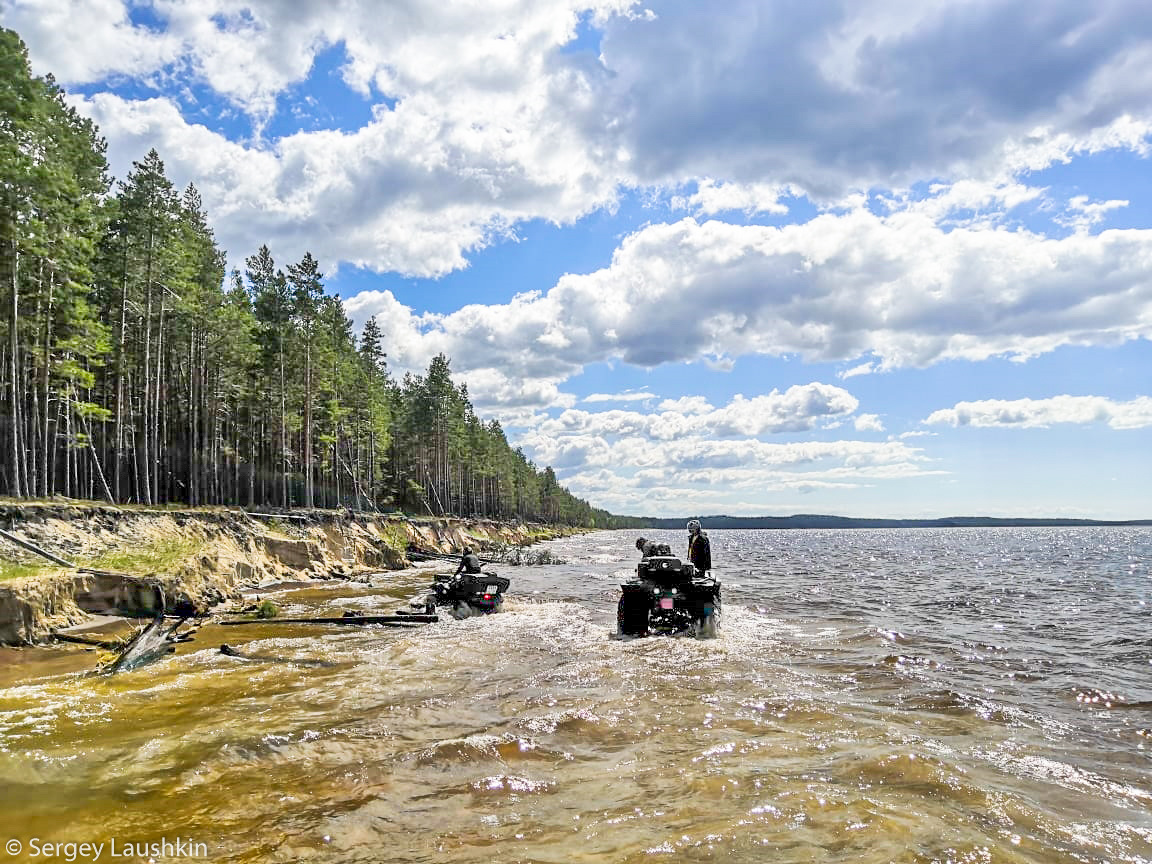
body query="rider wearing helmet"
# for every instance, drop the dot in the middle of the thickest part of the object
(699, 547)
(469, 562)
(646, 547)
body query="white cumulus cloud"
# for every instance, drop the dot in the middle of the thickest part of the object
(899, 289)
(1034, 413)
(481, 120)
(628, 396)
(836, 97)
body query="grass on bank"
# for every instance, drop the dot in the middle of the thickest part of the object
(160, 556)
(18, 570)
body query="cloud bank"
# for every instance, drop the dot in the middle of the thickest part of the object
(484, 116)
(898, 291)
(1042, 413)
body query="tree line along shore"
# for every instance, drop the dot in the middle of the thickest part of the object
(137, 369)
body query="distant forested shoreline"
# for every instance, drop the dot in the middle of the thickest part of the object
(816, 521)
(137, 370)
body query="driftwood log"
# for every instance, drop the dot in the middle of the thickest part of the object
(359, 620)
(154, 641)
(228, 651)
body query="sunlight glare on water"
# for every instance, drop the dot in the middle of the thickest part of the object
(952, 695)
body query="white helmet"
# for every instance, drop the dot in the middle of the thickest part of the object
(694, 526)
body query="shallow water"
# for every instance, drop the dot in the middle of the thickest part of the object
(916, 695)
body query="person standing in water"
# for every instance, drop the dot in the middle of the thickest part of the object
(699, 548)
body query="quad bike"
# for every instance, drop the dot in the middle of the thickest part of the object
(466, 594)
(668, 597)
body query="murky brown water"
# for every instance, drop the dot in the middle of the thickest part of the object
(874, 696)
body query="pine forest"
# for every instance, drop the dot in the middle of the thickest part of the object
(137, 369)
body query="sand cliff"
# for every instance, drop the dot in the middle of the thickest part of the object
(202, 557)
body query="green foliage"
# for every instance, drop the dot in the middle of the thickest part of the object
(52, 180)
(266, 609)
(138, 370)
(395, 536)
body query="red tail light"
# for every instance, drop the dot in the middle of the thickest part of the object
(487, 596)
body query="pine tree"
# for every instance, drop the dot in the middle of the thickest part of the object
(52, 174)
(119, 317)
(272, 303)
(147, 255)
(308, 292)
(376, 408)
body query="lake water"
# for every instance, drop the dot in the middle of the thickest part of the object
(908, 695)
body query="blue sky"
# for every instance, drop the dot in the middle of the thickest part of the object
(861, 258)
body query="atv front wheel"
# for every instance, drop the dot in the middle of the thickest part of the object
(462, 610)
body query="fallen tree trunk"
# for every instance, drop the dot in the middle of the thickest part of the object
(55, 559)
(418, 555)
(150, 644)
(106, 644)
(147, 646)
(229, 651)
(32, 547)
(388, 620)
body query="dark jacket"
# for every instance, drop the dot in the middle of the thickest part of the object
(700, 551)
(469, 563)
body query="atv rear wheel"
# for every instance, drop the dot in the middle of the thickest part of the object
(632, 613)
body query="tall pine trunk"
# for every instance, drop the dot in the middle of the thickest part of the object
(44, 384)
(157, 455)
(146, 375)
(118, 469)
(308, 502)
(193, 488)
(14, 351)
(283, 431)
(252, 445)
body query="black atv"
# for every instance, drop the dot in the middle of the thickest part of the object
(466, 594)
(668, 597)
